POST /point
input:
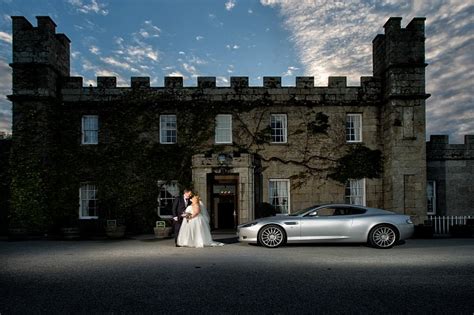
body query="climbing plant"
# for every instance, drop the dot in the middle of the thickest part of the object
(359, 162)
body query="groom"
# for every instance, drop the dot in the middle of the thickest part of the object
(180, 204)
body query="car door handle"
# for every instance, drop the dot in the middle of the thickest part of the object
(291, 223)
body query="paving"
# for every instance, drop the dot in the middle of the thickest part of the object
(148, 275)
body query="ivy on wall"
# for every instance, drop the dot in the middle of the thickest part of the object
(129, 159)
(359, 162)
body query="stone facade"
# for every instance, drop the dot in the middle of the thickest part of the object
(451, 168)
(48, 105)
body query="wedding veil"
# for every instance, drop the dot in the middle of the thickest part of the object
(204, 212)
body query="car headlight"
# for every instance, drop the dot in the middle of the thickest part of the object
(248, 225)
(409, 221)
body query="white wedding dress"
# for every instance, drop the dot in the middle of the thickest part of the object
(196, 232)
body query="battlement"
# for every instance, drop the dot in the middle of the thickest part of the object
(399, 58)
(394, 25)
(38, 51)
(439, 148)
(22, 27)
(210, 82)
(336, 92)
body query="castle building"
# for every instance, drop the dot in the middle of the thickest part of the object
(450, 168)
(92, 153)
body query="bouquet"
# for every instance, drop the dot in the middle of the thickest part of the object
(188, 216)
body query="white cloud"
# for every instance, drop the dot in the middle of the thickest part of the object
(199, 37)
(139, 51)
(114, 62)
(222, 81)
(229, 5)
(290, 71)
(75, 54)
(95, 50)
(182, 53)
(250, 11)
(232, 46)
(176, 74)
(149, 30)
(6, 37)
(93, 6)
(191, 69)
(197, 60)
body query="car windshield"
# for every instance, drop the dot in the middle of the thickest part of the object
(299, 212)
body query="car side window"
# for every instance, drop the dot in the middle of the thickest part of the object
(354, 211)
(326, 212)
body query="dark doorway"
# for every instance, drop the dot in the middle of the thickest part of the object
(224, 201)
(225, 212)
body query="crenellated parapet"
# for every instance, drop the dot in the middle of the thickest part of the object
(439, 148)
(40, 57)
(399, 59)
(336, 92)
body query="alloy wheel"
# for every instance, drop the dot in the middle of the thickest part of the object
(272, 236)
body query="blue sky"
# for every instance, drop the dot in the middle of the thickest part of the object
(225, 38)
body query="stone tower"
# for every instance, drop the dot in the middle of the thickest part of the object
(399, 62)
(40, 60)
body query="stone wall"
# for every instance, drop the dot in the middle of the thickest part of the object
(451, 166)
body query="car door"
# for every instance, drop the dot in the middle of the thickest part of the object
(325, 223)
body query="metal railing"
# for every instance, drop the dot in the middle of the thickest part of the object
(442, 224)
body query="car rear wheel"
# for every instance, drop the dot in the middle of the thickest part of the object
(271, 236)
(383, 236)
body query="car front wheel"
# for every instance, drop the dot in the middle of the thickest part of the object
(383, 236)
(272, 236)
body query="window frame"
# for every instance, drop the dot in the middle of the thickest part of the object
(217, 128)
(352, 197)
(163, 187)
(84, 130)
(433, 197)
(162, 129)
(288, 191)
(284, 128)
(81, 216)
(356, 134)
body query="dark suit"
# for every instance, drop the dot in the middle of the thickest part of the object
(179, 206)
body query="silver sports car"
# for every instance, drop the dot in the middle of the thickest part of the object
(331, 223)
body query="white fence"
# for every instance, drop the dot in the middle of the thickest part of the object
(442, 223)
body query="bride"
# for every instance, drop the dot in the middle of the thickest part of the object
(195, 230)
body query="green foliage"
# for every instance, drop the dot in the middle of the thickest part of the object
(28, 201)
(359, 162)
(5, 181)
(320, 124)
(264, 135)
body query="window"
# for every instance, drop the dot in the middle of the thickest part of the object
(88, 201)
(337, 211)
(355, 192)
(223, 129)
(278, 126)
(168, 192)
(279, 194)
(168, 133)
(431, 194)
(354, 128)
(90, 129)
